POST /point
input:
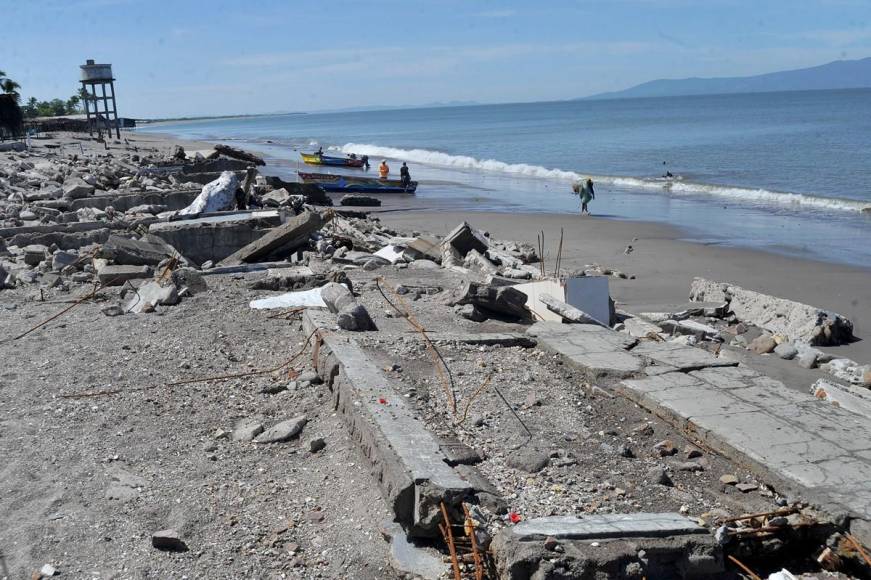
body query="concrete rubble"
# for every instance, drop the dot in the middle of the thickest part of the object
(568, 444)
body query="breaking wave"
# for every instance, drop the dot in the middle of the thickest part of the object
(675, 186)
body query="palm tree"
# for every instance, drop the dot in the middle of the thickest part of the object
(9, 87)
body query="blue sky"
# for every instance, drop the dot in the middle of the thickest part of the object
(182, 57)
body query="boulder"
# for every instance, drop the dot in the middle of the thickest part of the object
(528, 459)
(763, 344)
(786, 351)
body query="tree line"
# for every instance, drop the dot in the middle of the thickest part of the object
(36, 108)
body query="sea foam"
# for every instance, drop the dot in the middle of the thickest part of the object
(676, 186)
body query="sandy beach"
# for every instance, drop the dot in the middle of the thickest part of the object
(662, 261)
(180, 414)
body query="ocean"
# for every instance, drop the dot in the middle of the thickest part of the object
(788, 173)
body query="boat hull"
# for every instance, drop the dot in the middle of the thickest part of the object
(350, 184)
(315, 159)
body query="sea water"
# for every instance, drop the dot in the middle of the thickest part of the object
(784, 172)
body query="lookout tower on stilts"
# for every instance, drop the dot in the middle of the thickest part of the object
(94, 75)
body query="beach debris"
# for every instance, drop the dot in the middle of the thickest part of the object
(216, 195)
(149, 295)
(145, 252)
(282, 198)
(568, 312)
(506, 300)
(239, 154)
(303, 299)
(288, 236)
(391, 253)
(110, 275)
(424, 247)
(168, 540)
(360, 200)
(464, 238)
(283, 431)
(350, 315)
(796, 321)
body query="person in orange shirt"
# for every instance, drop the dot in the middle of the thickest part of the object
(383, 169)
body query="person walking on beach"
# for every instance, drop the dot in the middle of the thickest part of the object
(404, 176)
(383, 169)
(585, 190)
(365, 159)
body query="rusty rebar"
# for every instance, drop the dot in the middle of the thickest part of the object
(449, 540)
(747, 570)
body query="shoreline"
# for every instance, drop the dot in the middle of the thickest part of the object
(663, 260)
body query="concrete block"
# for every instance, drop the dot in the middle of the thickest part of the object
(117, 275)
(412, 471)
(591, 295)
(288, 236)
(464, 238)
(214, 237)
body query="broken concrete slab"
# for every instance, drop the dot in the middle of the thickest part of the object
(391, 253)
(795, 442)
(568, 312)
(117, 275)
(464, 238)
(598, 352)
(75, 187)
(406, 558)
(849, 397)
(650, 525)
(288, 236)
(679, 356)
(408, 464)
(127, 251)
(631, 546)
(798, 322)
(215, 237)
(590, 294)
(425, 247)
(301, 299)
(149, 295)
(34, 254)
(505, 300)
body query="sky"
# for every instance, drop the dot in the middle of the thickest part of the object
(186, 58)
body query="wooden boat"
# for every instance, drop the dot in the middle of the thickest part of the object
(321, 159)
(353, 184)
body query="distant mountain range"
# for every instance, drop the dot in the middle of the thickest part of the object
(840, 74)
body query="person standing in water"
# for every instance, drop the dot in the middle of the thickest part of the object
(383, 169)
(585, 190)
(404, 175)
